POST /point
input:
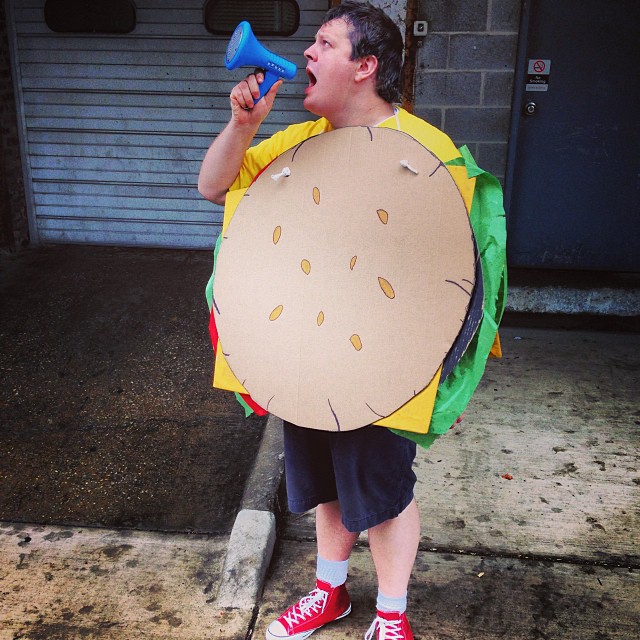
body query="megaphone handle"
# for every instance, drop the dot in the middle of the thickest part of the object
(268, 82)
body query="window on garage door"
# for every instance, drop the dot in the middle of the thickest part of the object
(90, 16)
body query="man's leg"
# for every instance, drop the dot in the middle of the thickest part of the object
(334, 541)
(394, 545)
(330, 600)
(310, 477)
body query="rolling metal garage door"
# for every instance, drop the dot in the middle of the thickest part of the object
(114, 126)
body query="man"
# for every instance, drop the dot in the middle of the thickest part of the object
(360, 479)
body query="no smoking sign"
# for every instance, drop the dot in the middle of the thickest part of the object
(538, 74)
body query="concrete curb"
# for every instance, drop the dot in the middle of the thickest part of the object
(572, 300)
(254, 532)
(248, 555)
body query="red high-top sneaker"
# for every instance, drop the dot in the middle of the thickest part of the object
(324, 604)
(389, 626)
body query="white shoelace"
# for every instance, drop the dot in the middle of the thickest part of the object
(389, 630)
(310, 604)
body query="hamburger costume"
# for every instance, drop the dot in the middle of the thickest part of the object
(413, 410)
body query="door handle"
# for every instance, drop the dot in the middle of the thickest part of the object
(530, 108)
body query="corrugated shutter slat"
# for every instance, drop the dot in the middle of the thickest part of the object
(116, 125)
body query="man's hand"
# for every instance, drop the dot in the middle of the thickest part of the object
(246, 109)
(223, 160)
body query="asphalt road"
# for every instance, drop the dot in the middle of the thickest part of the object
(108, 414)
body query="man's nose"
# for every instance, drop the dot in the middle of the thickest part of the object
(309, 53)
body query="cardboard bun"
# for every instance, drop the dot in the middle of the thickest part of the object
(341, 287)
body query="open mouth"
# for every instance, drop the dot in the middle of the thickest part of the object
(312, 78)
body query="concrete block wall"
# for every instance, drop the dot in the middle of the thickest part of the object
(464, 73)
(14, 226)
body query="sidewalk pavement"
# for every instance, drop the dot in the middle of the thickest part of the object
(530, 507)
(530, 516)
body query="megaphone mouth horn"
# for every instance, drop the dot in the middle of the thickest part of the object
(234, 42)
(244, 50)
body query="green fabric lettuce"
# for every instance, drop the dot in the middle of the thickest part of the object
(487, 218)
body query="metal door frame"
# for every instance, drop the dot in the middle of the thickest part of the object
(34, 236)
(517, 102)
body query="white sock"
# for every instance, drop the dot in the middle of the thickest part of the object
(333, 572)
(387, 604)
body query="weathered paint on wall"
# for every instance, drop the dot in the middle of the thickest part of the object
(396, 9)
(14, 227)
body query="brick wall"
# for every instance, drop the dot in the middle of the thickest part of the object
(14, 228)
(464, 74)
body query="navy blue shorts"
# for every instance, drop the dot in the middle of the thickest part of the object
(369, 470)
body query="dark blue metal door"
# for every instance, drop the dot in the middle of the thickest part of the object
(573, 184)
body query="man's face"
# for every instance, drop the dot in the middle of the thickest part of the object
(331, 71)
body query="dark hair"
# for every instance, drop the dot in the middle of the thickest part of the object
(373, 33)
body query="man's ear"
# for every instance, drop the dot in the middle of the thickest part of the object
(367, 68)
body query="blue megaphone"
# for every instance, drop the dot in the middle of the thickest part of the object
(244, 50)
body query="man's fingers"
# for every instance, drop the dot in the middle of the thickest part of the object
(246, 95)
(270, 96)
(246, 92)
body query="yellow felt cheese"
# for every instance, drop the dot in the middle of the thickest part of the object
(223, 377)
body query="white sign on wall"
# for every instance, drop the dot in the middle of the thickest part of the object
(538, 72)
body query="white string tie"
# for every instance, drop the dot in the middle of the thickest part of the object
(285, 173)
(406, 165)
(311, 604)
